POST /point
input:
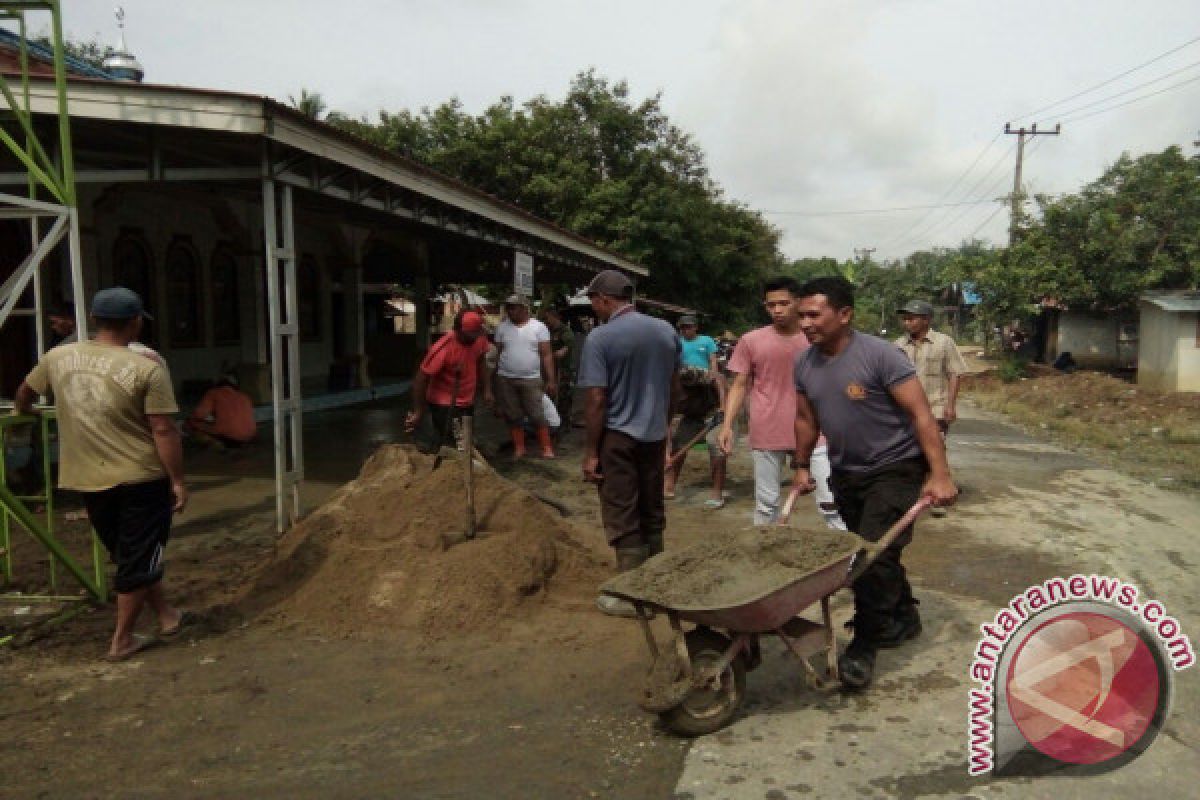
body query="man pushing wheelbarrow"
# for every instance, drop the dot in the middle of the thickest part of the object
(889, 465)
(885, 451)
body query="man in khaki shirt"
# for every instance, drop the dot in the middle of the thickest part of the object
(121, 450)
(939, 364)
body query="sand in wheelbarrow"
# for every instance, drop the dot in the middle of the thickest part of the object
(723, 573)
(371, 561)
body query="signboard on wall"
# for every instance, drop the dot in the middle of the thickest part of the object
(523, 273)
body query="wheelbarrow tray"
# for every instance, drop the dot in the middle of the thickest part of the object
(771, 600)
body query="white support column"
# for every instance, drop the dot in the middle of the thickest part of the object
(78, 292)
(292, 337)
(283, 332)
(39, 303)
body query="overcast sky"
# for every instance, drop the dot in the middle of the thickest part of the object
(802, 107)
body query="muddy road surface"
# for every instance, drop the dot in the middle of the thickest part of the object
(542, 703)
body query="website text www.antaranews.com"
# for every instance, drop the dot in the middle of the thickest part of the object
(996, 635)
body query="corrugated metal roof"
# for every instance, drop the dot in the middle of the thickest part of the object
(1179, 301)
(45, 54)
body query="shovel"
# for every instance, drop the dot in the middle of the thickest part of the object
(712, 422)
(458, 537)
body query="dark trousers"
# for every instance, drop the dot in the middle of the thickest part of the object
(631, 495)
(133, 521)
(870, 503)
(435, 431)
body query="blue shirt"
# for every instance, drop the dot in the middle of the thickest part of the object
(698, 352)
(632, 357)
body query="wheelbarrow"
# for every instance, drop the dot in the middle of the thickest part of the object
(697, 682)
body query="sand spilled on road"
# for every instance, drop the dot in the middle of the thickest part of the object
(371, 559)
(724, 573)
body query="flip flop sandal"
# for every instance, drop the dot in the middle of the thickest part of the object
(186, 620)
(140, 643)
(714, 504)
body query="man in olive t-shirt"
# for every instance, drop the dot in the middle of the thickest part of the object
(121, 449)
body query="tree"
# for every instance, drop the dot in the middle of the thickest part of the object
(610, 168)
(310, 104)
(1135, 228)
(89, 51)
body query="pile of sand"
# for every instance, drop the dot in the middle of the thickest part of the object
(724, 573)
(372, 558)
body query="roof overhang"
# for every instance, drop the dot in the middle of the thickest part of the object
(1175, 301)
(290, 134)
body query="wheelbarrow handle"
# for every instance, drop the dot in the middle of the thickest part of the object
(867, 556)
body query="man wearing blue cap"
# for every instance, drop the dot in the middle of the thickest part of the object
(121, 450)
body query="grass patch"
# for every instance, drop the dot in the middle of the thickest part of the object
(1153, 435)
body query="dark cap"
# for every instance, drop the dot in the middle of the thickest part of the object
(687, 319)
(611, 282)
(917, 307)
(118, 303)
(517, 300)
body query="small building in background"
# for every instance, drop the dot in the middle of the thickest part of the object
(1102, 340)
(1169, 357)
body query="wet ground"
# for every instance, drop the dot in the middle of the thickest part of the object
(546, 709)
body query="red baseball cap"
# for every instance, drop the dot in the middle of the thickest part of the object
(472, 322)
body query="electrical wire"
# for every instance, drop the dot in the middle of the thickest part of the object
(873, 210)
(902, 236)
(1131, 89)
(1131, 101)
(1104, 83)
(939, 225)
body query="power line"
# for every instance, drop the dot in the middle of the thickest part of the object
(1113, 79)
(903, 235)
(1132, 101)
(873, 210)
(1142, 85)
(938, 225)
(1033, 148)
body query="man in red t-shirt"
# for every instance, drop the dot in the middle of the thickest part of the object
(457, 359)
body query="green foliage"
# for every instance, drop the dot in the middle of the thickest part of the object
(90, 51)
(1135, 228)
(1012, 369)
(607, 167)
(310, 104)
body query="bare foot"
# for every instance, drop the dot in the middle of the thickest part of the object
(123, 652)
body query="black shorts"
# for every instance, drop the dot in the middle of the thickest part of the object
(133, 521)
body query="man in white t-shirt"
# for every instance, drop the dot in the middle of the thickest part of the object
(524, 372)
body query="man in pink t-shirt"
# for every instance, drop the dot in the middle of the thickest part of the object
(763, 365)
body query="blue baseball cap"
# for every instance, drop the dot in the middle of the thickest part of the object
(118, 303)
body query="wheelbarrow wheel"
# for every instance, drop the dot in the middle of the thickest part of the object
(709, 708)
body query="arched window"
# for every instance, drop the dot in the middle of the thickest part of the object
(184, 298)
(132, 268)
(227, 318)
(308, 297)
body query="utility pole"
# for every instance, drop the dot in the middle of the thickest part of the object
(863, 254)
(1021, 133)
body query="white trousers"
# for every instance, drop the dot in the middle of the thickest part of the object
(771, 469)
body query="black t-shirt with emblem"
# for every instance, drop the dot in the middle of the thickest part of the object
(865, 427)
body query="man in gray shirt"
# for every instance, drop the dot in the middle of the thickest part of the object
(629, 373)
(885, 451)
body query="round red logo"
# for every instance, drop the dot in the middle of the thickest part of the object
(1083, 688)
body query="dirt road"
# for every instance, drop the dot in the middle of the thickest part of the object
(544, 706)
(1030, 511)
